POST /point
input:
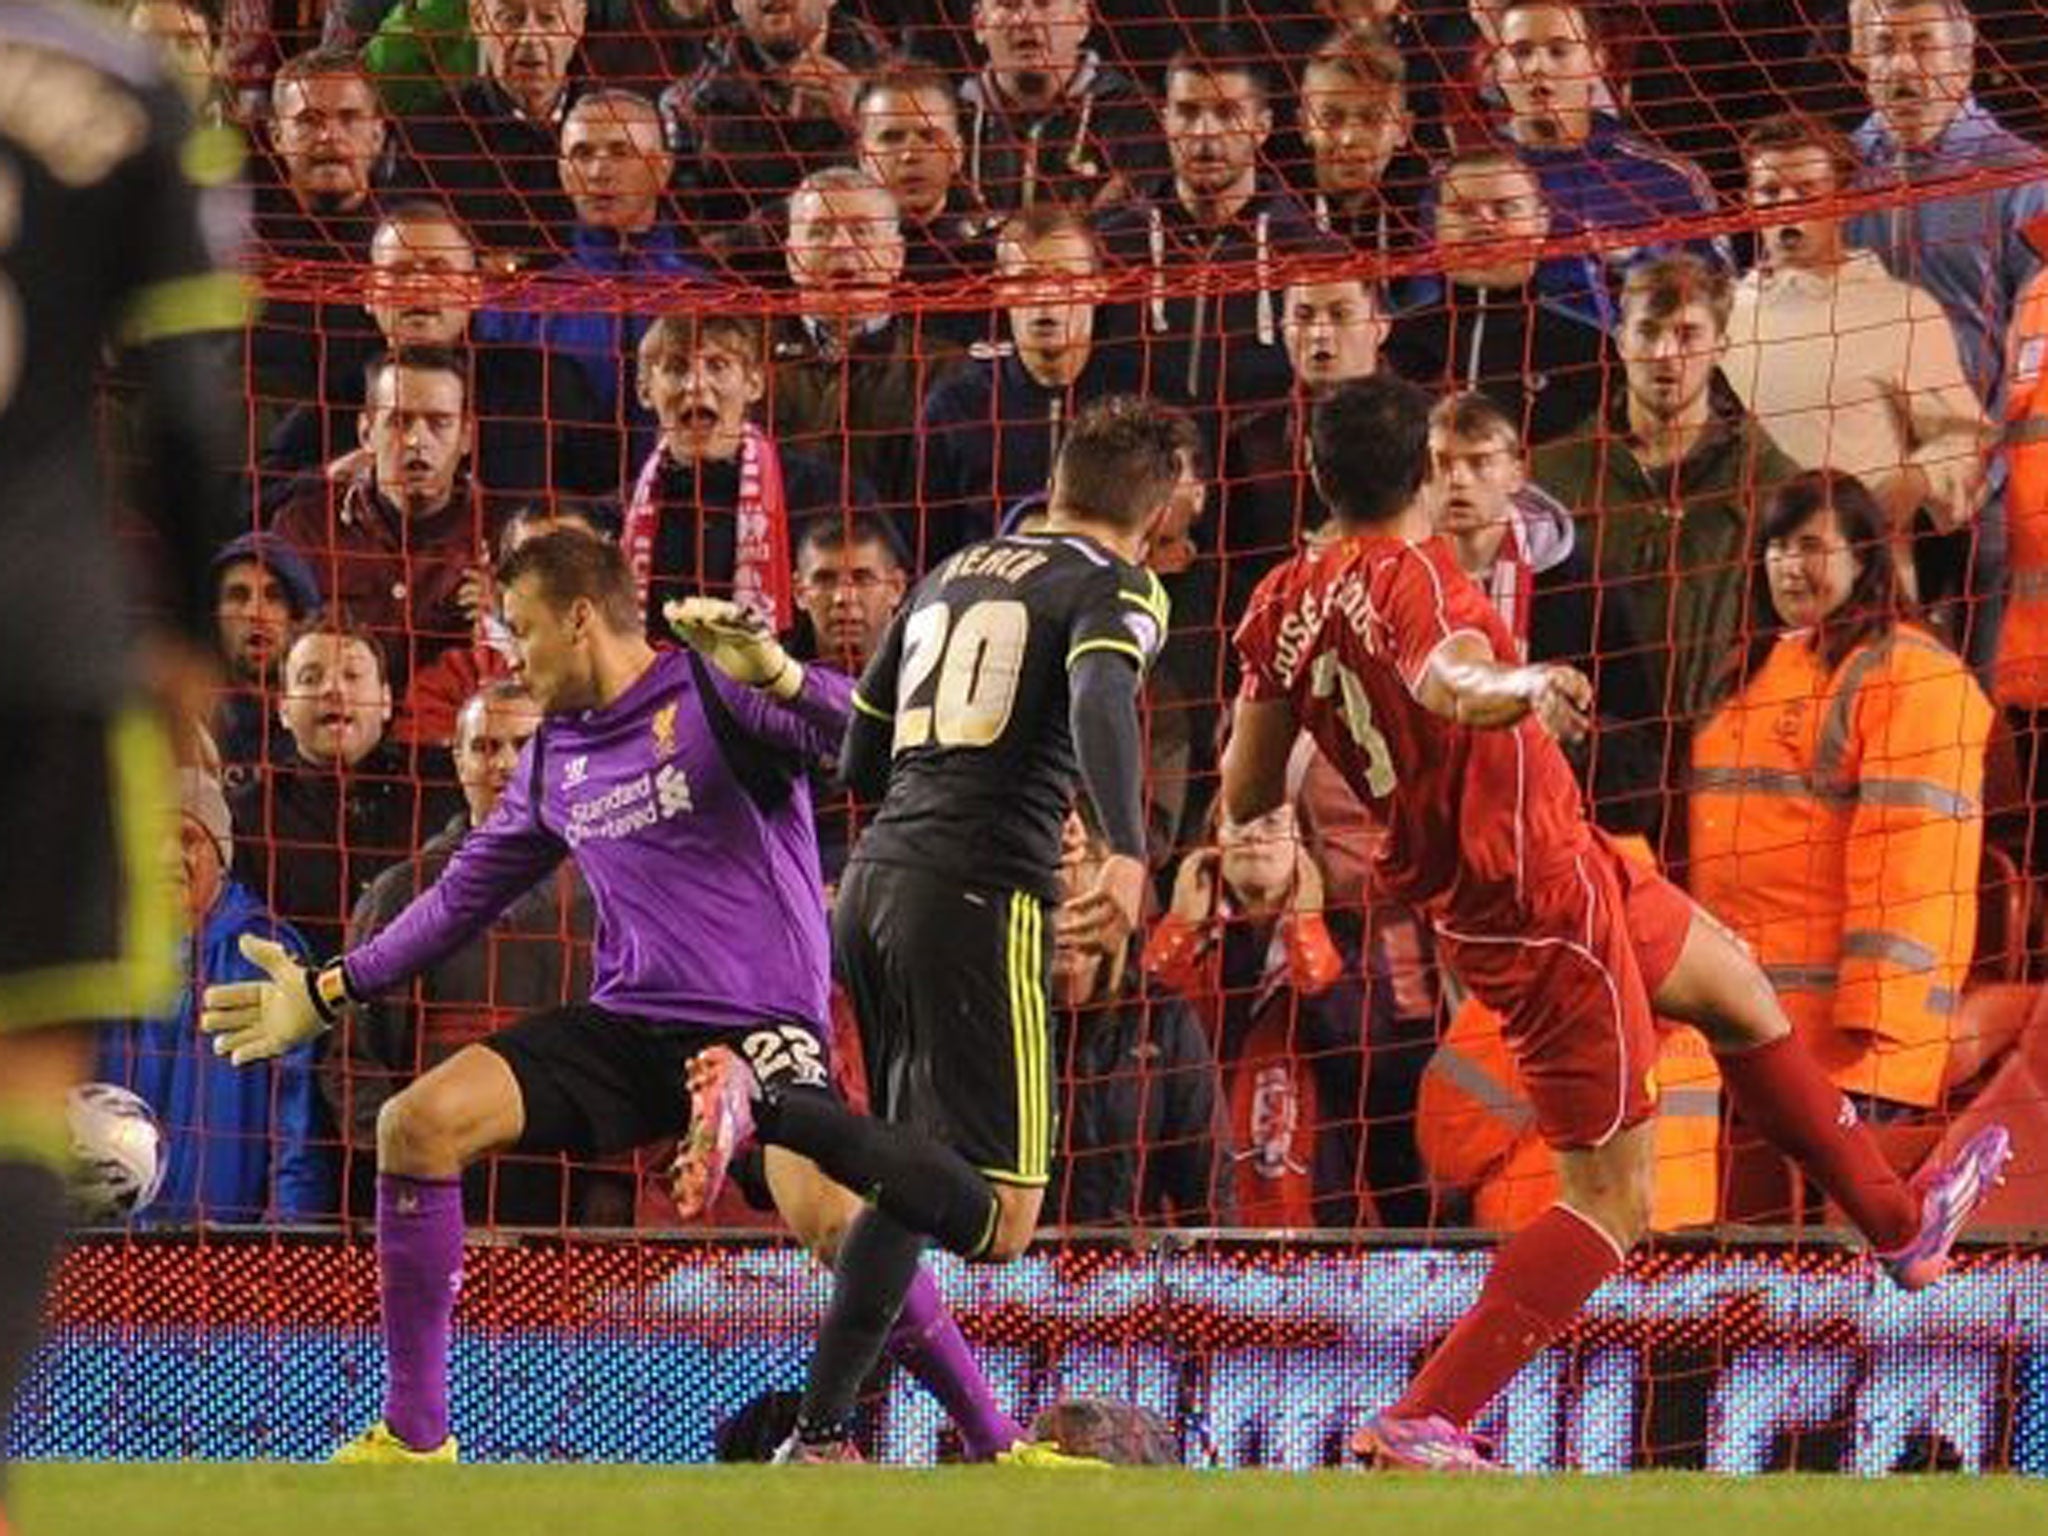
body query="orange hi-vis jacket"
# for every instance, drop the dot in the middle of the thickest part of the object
(2019, 678)
(1837, 825)
(1476, 1130)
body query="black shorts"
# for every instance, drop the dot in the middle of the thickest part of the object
(949, 984)
(88, 821)
(595, 1083)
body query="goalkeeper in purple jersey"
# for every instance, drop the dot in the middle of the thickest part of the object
(678, 785)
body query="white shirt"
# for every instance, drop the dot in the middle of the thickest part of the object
(1857, 371)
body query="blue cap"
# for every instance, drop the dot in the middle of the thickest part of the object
(281, 560)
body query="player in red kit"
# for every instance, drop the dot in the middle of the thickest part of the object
(1381, 648)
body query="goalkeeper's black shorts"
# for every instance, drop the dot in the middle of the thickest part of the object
(593, 1083)
(88, 824)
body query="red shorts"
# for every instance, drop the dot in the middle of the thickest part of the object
(1573, 986)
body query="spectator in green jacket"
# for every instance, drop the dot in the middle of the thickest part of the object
(1666, 483)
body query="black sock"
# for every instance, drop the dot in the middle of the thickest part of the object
(877, 1261)
(33, 1215)
(926, 1186)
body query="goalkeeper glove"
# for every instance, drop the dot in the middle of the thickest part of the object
(255, 1020)
(735, 642)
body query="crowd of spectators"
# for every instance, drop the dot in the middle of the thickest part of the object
(793, 298)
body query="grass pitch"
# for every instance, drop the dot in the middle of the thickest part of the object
(228, 1500)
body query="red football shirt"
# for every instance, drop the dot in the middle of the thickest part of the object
(1474, 817)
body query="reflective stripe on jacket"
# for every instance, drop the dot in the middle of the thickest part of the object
(1477, 1131)
(1837, 825)
(2020, 673)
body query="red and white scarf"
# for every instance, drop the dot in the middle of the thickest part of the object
(761, 578)
(1511, 583)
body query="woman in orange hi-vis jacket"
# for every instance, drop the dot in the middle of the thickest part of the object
(1837, 819)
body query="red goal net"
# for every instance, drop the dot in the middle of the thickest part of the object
(796, 299)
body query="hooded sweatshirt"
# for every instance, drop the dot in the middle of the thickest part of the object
(1216, 345)
(989, 437)
(1101, 129)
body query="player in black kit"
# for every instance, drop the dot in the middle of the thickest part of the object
(1014, 669)
(104, 237)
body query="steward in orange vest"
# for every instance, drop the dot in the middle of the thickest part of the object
(2019, 671)
(1836, 806)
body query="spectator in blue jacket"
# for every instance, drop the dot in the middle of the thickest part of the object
(615, 167)
(989, 434)
(1597, 174)
(238, 1142)
(1918, 59)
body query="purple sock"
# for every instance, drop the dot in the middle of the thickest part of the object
(927, 1342)
(419, 1266)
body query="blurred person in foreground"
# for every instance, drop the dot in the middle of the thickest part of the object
(116, 206)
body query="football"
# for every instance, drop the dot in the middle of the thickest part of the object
(118, 1152)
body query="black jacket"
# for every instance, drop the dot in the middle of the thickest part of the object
(497, 167)
(1620, 764)
(309, 840)
(1538, 360)
(1103, 130)
(1143, 1134)
(695, 541)
(1389, 223)
(307, 346)
(730, 124)
(988, 439)
(1221, 350)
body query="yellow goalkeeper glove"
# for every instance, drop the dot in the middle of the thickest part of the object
(255, 1020)
(735, 642)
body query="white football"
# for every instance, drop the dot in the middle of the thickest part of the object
(117, 1149)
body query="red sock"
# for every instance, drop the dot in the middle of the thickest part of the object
(1536, 1287)
(1786, 1098)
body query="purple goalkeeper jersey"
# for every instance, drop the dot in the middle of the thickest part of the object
(700, 854)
